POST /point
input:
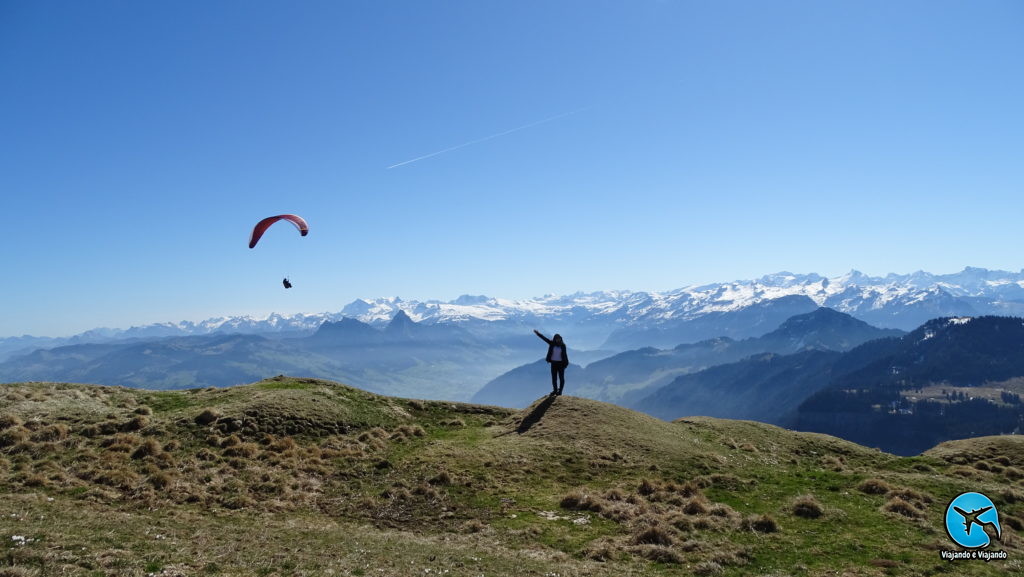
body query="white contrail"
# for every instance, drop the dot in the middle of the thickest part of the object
(486, 138)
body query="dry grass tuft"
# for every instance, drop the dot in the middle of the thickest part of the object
(681, 522)
(902, 507)
(693, 489)
(722, 510)
(1011, 495)
(283, 445)
(1012, 522)
(708, 568)
(474, 526)
(581, 500)
(161, 479)
(615, 494)
(652, 535)
(602, 550)
(117, 478)
(761, 524)
(647, 487)
(441, 479)
(137, 423)
(208, 417)
(148, 448)
(408, 432)
(691, 545)
(915, 497)
(56, 432)
(874, 487)
(657, 553)
(965, 472)
(121, 443)
(808, 507)
(696, 506)
(735, 557)
(834, 463)
(13, 436)
(8, 421)
(427, 492)
(242, 450)
(374, 439)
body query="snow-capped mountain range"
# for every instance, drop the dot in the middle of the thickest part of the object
(853, 293)
(626, 319)
(892, 301)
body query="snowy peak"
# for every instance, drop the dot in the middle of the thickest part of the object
(893, 301)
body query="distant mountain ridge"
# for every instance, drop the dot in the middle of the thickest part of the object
(487, 336)
(629, 376)
(893, 301)
(952, 377)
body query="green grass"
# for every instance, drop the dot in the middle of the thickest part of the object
(170, 401)
(305, 477)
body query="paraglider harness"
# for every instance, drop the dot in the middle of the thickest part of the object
(286, 284)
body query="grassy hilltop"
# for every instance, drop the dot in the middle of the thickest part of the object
(305, 477)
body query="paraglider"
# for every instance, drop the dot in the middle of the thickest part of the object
(262, 226)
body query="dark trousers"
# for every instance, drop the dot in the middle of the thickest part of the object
(558, 375)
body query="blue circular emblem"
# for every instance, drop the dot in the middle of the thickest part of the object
(972, 521)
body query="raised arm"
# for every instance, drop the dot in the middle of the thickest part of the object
(544, 338)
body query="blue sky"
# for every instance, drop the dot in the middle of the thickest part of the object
(662, 144)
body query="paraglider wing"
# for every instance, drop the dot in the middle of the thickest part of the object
(262, 226)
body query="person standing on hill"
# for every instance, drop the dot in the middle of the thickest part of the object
(558, 358)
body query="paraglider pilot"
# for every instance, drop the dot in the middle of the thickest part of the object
(558, 358)
(286, 284)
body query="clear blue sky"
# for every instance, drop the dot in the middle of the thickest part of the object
(662, 144)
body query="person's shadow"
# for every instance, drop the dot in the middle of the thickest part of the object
(535, 415)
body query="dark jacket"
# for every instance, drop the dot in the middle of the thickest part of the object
(551, 349)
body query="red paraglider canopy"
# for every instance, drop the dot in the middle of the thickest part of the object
(264, 224)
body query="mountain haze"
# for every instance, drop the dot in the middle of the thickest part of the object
(951, 378)
(629, 376)
(903, 301)
(453, 349)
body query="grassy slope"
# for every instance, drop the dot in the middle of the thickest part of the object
(305, 477)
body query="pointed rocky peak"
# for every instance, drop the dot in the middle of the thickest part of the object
(401, 319)
(401, 326)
